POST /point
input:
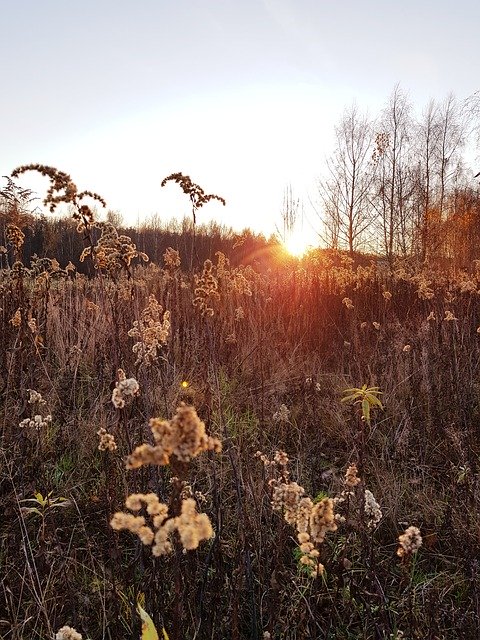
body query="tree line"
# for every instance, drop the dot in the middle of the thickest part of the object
(399, 184)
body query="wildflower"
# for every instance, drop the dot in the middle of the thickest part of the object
(239, 314)
(281, 458)
(407, 348)
(206, 290)
(372, 510)
(184, 437)
(351, 477)
(16, 319)
(125, 389)
(287, 496)
(449, 317)
(363, 325)
(68, 633)
(32, 325)
(424, 292)
(91, 306)
(282, 415)
(35, 397)
(171, 258)
(322, 520)
(387, 295)
(192, 527)
(107, 441)
(376, 325)
(348, 303)
(431, 316)
(151, 330)
(410, 542)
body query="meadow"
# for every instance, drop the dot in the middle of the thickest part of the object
(285, 452)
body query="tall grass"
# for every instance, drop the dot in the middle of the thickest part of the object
(239, 346)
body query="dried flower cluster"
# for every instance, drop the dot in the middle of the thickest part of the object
(16, 319)
(206, 290)
(14, 236)
(312, 520)
(348, 303)
(107, 441)
(112, 252)
(372, 510)
(37, 420)
(184, 437)
(410, 542)
(424, 291)
(449, 317)
(192, 527)
(59, 181)
(282, 414)
(351, 476)
(171, 258)
(151, 331)
(238, 280)
(239, 314)
(68, 633)
(197, 195)
(125, 390)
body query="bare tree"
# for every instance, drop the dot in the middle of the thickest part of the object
(393, 182)
(346, 192)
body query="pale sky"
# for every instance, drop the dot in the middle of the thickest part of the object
(242, 95)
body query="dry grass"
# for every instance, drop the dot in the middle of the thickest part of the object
(293, 343)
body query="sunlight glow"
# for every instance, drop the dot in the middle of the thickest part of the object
(298, 242)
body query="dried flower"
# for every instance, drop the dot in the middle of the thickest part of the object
(107, 441)
(184, 437)
(239, 314)
(171, 258)
(351, 477)
(125, 389)
(282, 415)
(348, 303)
(206, 290)
(372, 510)
(152, 332)
(410, 542)
(68, 633)
(449, 317)
(16, 319)
(424, 292)
(192, 527)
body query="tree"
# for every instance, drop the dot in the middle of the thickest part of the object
(393, 182)
(346, 193)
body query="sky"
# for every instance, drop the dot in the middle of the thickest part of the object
(241, 95)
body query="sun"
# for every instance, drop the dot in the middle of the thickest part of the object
(298, 242)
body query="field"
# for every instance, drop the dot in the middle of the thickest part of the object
(334, 494)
